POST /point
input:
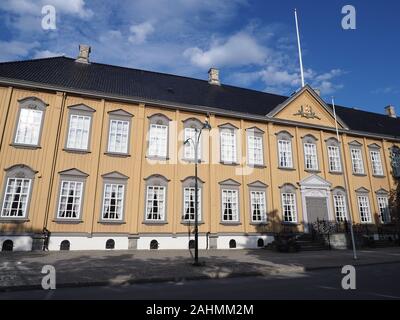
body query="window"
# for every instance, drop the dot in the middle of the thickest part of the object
(16, 198)
(70, 199)
(70, 195)
(285, 154)
(156, 190)
(80, 118)
(310, 154)
(356, 159)
(334, 159)
(384, 212)
(339, 204)
(258, 206)
(189, 149)
(228, 144)
(113, 201)
(30, 121)
(158, 136)
(113, 196)
(363, 206)
(230, 205)
(119, 132)
(189, 204)
(289, 203)
(377, 169)
(78, 135)
(118, 136)
(16, 195)
(155, 203)
(395, 159)
(255, 149)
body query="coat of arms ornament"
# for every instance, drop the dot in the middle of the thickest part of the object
(307, 112)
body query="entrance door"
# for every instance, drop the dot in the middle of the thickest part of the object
(317, 209)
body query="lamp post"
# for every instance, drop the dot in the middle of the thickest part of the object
(195, 143)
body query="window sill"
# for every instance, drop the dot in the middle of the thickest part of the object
(14, 220)
(286, 169)
(229, 163)
(191, 223)
(111, 222)
(257, 166)
(291, 224)
(156, 158)
(192, 161)
(25, 146)
(76, 151)
(266, 223)
(227, 223)
(116, 154)
(338, 173)
(379, 176)
(312, 171)
(359, 174)
(155, 222)
(78, 221)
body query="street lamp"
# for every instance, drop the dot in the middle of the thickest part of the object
(195, 143)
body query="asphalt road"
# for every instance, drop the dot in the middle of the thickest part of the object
(372, 282)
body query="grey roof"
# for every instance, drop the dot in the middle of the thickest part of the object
(105, 79)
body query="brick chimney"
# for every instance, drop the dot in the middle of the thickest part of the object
(391, 111)
(213, 76)
(84, 52)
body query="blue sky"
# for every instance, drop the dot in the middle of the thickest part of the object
(253, 43)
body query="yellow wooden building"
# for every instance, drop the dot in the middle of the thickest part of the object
(95, 154)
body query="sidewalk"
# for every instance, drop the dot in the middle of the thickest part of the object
(22, 270)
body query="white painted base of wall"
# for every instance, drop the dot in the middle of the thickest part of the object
(243, 242)
(21, 243)
(86, 243)
(24, 243)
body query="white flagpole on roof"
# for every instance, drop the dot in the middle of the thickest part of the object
(299, 46)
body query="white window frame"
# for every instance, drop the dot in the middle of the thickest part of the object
(258, 198)
(384, 210)
(335, 164)
(158, 140)
(364, 208)
(376, 162)
(357, 161)
(228, 145)
(228, 195)
(189, 148)
(285, 154)
(115, 146)
(160, 191)
(75, 184)
(289, 208)
(81, 142)
(255, 148)
(118, 198)
(10, 192)
(340, 207)
(310, 156)
(187, 203)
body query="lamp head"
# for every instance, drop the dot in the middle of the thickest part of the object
(206, 125)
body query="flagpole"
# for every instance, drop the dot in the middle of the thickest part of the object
(299, 46)
(346, 183)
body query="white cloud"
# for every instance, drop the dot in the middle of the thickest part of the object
(46, 54)
(24, 7)
(15, 50)
(240, 49)
(140, 32)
